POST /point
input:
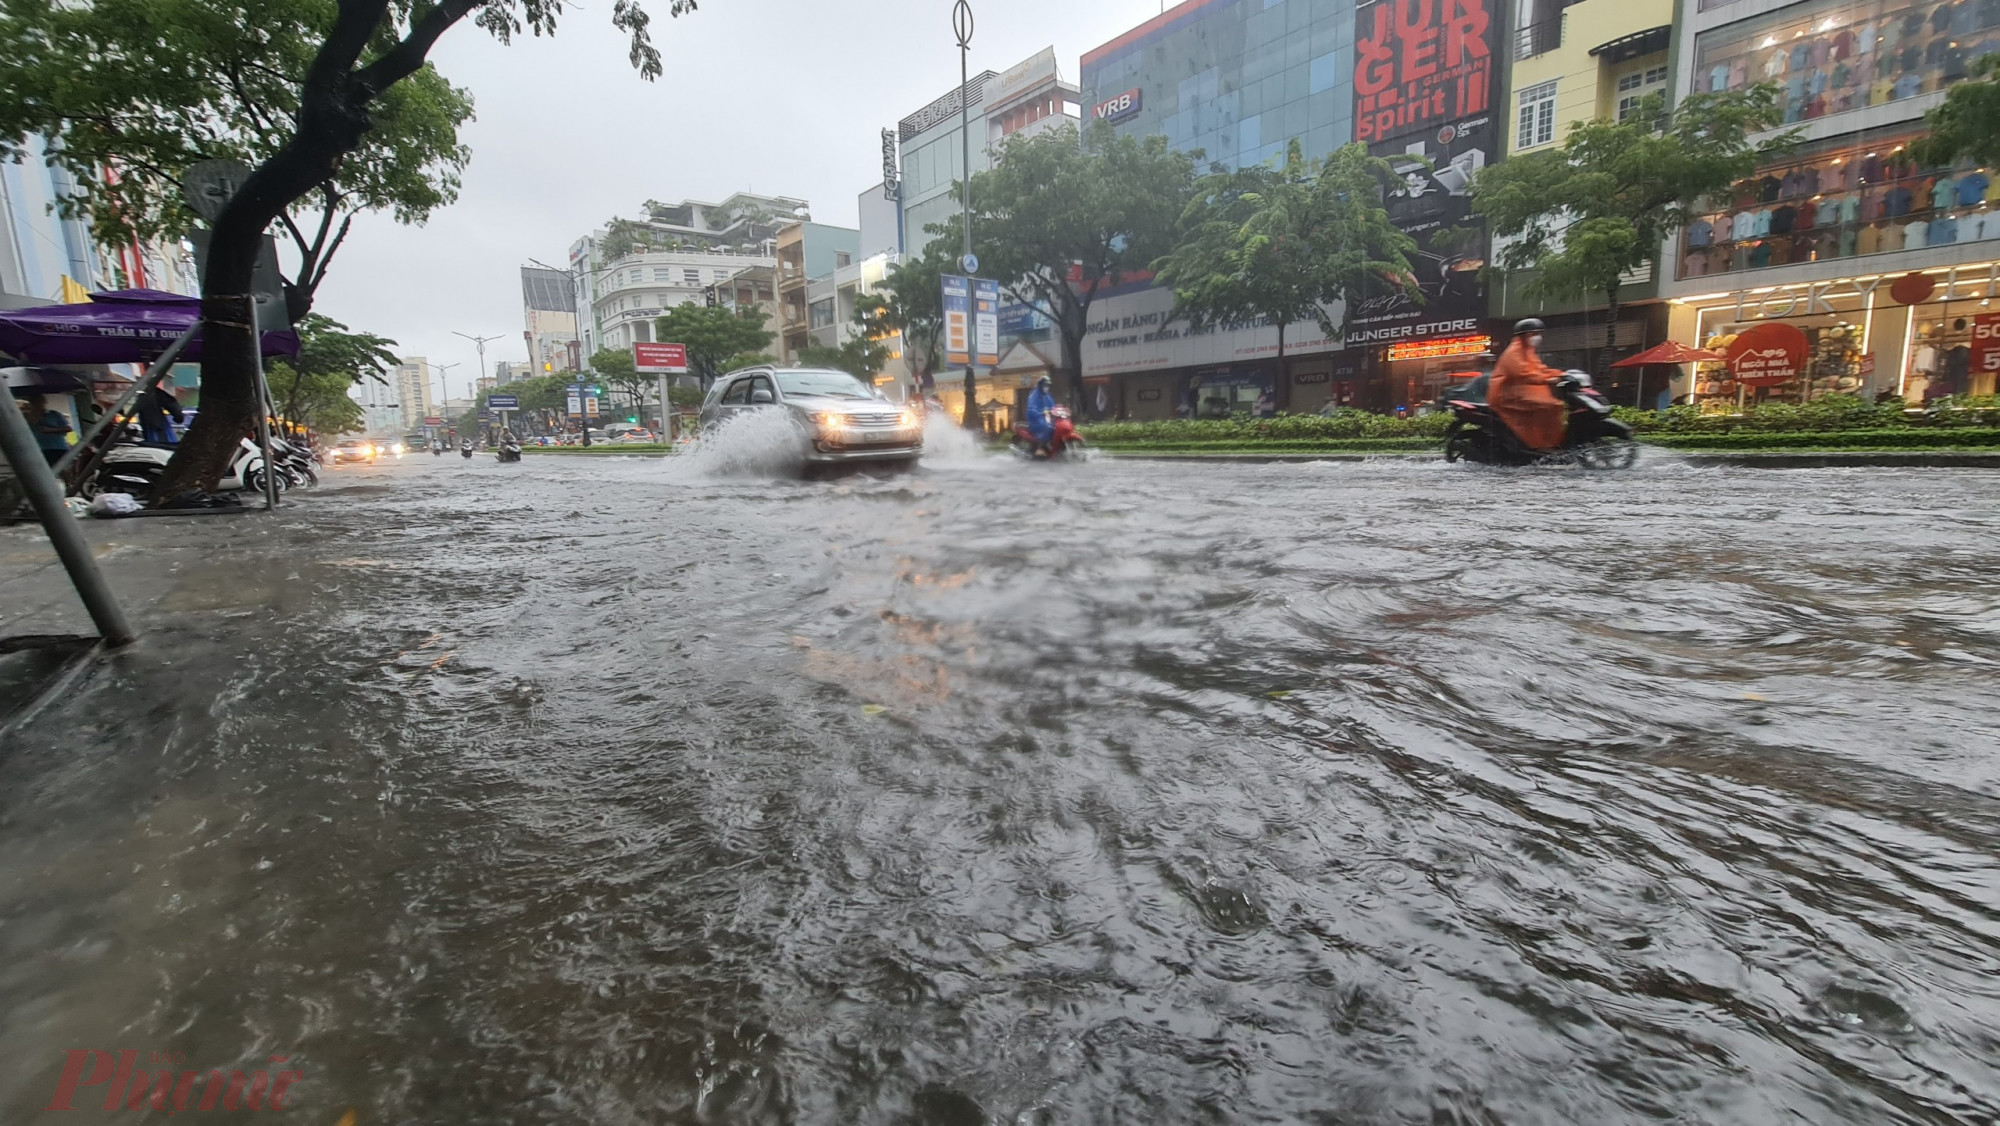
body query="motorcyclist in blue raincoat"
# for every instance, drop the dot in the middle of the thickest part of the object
(1041, 424)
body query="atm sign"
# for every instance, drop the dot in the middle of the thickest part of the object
(1121, 107)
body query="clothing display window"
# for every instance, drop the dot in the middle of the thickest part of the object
(1829, 59)
(1842, 200)
(1940, 362)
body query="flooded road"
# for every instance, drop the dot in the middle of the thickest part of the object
(599, 791)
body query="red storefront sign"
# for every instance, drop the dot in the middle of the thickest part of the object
(1768, 355)
(670, 359)
(1986, 342)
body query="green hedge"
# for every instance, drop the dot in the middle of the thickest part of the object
(1279, 446)
(1888, 438)
(1342, 425)
(651, 448)
(1834, 413)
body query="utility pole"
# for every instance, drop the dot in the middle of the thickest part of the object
(961, 24)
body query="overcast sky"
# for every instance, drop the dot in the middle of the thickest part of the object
(785, 97)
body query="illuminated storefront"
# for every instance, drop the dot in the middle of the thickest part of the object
(1915, 335)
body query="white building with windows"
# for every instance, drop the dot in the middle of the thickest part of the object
(414, 395)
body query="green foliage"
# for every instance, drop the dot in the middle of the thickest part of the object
(913, 305)
(318, 400)
(1903, 438)
(864, 355)
(1341, 425)
(746, 360)
(617, 369)
(150, 87)
(1600, 205)
(1828, 414)
(1281, 244)
(312, 387)
(1967, 123)
(714, 335)
(1101, 206)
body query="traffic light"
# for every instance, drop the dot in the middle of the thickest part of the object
(711, 297)
(631, 418)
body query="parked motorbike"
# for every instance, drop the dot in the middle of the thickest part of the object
(1064, 445)
(298, 464)
(1592, 439)
(137, 469)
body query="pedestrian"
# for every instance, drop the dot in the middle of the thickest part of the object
(159, 411)
(51, 430)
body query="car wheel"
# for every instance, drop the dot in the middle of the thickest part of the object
(1458, 447)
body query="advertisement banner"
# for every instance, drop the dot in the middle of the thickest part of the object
(1426, 77)
(661, 359)
(503, 402)
(1986, 342)
(957, 321)
(575, 405)
(986, 321)
(1138, 332)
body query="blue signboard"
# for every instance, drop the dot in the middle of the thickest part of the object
(503, 402)
(1017, 319)
(957, 321)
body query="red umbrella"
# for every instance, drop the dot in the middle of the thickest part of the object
(1672, 352)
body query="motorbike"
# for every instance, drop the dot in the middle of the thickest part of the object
(298, 464)
(465, 450)
(510, 450)
(136, 470)
(437, 449)
(1064, 445)
(1592, 439)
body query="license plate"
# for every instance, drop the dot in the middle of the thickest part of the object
(876, 436)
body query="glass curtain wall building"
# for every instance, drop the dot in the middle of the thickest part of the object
(1237, 79)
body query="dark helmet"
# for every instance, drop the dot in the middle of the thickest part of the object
(1528, 327)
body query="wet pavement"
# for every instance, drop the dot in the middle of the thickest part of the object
(603, 791)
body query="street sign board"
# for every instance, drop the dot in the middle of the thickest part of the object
(433, 420)
(957, 321)
(209, 185)
(575, 405)
(986, 320)
(665, 359)
(503, 402)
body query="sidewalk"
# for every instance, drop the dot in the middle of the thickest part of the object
(1834, 459)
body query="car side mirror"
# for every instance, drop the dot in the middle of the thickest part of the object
(760, 395)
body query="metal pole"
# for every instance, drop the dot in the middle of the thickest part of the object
(46, 494)
(263, 407)
(962, 25)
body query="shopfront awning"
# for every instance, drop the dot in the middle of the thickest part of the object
(1638, 45)
(123, 326)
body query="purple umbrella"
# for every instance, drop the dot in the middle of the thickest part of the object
(118, 327)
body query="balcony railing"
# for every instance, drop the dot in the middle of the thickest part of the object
(1539, 38)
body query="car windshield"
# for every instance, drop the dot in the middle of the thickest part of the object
(824, 384)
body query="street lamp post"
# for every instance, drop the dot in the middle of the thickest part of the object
(961, 25)
(480, 343)
(444, 385)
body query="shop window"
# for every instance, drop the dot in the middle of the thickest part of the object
(1538, 116)
(1828, 62)
(1841, 201)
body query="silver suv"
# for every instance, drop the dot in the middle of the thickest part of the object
(838, 417)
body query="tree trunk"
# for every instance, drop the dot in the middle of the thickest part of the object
(970, 419)
(1071, 328)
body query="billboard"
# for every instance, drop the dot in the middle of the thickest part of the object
(1136, 331)
(668, 359)
(1426, 76)
(1986, 342)
(957, 321)
(986, 321)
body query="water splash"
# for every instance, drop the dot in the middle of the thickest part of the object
(758, 443)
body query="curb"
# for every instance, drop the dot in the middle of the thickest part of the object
(1833, 459)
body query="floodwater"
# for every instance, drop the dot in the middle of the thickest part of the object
(634, 791)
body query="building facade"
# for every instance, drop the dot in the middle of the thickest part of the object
(548, 307)
(1844, 266)
(1571, 63)
(1240, 81)
(807, 252)
(415, 396)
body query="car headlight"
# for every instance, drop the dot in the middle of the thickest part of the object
(907, 419)
(832, 420)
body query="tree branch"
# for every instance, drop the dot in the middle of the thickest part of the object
(407, 57)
